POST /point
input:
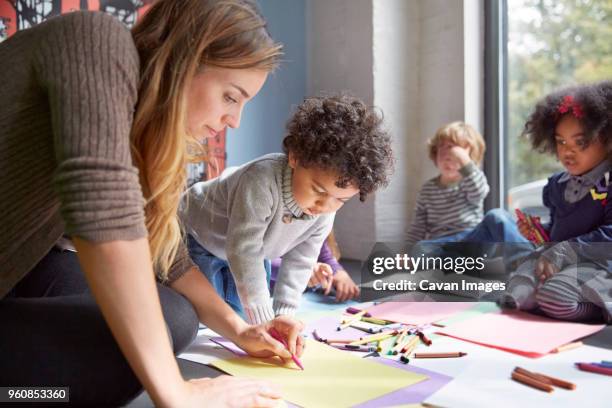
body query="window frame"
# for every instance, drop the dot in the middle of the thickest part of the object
(496, 101)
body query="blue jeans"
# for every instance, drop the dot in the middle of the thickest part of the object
(497, 227)
(218, 273)
(435, 247)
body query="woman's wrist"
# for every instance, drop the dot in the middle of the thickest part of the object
(171, 395)
(237, 326)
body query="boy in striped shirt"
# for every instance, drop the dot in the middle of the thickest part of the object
(450, 205)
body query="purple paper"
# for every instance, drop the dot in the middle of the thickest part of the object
(412, 394)
(229, 345)
(326, 328)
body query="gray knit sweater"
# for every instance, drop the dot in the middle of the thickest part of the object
(67, 96)
(249, 215)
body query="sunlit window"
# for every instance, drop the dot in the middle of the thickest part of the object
(551, 43)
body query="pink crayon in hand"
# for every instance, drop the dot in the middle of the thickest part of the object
(275, 334)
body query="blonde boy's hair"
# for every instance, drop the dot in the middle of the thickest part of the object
(460, 134)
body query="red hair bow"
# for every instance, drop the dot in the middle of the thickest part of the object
(569, 104)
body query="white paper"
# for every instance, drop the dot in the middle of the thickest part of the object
(487, 383)
(203, 350)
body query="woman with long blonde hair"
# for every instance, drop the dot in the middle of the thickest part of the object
(97, 126)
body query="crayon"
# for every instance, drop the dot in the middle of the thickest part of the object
(374, 337)
(354, 310)
(594, 369)
(424, 338)
(440, 355)
(375, 320)
(546, 379)
(346, 322)
(348, 347)
(568, 346)
(523, 379)
(274, 333)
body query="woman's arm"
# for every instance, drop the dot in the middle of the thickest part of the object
(210, 308)
(221, 318)
(121, 278)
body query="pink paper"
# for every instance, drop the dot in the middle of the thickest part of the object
(519, 332)
(417, 313)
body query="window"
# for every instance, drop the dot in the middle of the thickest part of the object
(545, 44)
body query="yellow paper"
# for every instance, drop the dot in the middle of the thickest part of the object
(331, 377)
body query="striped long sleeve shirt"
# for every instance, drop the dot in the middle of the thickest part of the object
(445, 210)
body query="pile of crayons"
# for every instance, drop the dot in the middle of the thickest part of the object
(605, 367)
(537, 233)
(406, 338)
(540, 381)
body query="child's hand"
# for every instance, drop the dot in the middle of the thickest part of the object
(322, 274)
(460, 154)
(258, 342)
(545, 269)
(345, 287)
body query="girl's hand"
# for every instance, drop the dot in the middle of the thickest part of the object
(545, 269)
(226, 391)
(258, 342)
(524, 228)
(345, 287)
(322, 274)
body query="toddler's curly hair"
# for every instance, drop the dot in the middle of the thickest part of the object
(591, 104)
(342, 134)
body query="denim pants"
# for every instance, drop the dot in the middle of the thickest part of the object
(218, 273)
(496, 234)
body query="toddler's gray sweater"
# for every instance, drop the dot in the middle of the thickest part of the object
(249, 215)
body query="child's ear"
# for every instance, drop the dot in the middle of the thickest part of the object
(292, 160)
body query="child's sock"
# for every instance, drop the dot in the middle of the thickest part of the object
(520, 294)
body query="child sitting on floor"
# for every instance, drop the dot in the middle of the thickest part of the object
(451, 204)
(283, 205)
(571, 278)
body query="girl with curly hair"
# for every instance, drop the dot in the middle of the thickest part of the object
(570, 278)
(283, 205)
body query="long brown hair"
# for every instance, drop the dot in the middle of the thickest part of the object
(176, 39)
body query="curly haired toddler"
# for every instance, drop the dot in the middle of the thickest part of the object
(283, 205)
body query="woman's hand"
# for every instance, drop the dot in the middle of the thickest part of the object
(322, 274)
(226, 391)
(545, 269)
(258, 342)
(345, 287)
